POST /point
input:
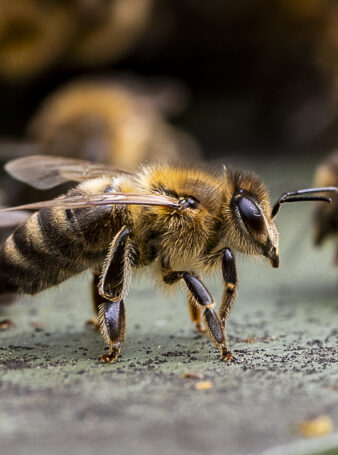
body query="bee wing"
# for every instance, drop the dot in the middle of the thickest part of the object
(44, 171)
(13, 218)
(98, 200)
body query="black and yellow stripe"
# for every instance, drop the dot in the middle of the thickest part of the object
(55, 244)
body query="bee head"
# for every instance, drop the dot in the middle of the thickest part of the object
(249, 218)
(249, 225)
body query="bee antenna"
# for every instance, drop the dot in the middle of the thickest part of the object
(296, 196)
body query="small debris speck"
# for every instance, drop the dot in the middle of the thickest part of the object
(191, 375)
(6, 324)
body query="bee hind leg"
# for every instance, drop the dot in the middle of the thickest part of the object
(112, 317)
(112, 290)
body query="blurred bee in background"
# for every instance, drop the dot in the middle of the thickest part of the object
(37, 35)
(326, 217)
(108, 31)
(120, 122)
(178, 221)
(33, 36)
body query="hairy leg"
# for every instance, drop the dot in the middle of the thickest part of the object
(229, 274)
(204, 301)
(112, 289)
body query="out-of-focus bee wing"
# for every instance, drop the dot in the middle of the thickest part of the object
(44, 172)
(101, 200)
(12, 218)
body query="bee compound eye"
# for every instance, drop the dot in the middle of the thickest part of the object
(250, 214)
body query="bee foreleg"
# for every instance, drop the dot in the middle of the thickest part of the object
(229, 273)
(230, 292)
(202, 298)
(229, 295)
(112, 289)
(231, 283)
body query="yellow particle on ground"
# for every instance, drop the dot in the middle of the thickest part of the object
(204, 385)
(320, 426)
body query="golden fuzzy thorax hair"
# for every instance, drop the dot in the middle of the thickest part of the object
(184, 234)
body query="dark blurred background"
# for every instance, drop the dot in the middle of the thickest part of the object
(260, 76)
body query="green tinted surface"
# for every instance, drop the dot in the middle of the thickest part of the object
(56, 398)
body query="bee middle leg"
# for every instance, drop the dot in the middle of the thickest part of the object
(229, 273)
(112, 289)
(202, 298)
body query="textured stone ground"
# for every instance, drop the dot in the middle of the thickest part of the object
(56, 398)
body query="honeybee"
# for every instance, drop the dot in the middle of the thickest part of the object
(178, 221)
(33, 37)
(36, 36)
(109, 31)
(326, 217)
(120, 121)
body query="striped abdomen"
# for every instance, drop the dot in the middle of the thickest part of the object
(54, 245)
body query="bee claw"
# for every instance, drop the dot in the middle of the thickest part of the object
(107, 358)
(227, 356)
(112, 356)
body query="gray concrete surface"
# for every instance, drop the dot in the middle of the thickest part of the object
(56, 398)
